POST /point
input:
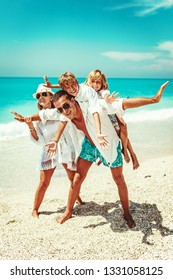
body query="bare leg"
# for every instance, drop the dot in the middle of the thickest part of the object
(70, 174)
(141, 101)
(82, 170)
(123, 194)
(124, 138)
(45, 177)
(133, 155)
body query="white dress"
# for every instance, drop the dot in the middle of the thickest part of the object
(66, 151)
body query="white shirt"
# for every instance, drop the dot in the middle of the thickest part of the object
(107, 128)
(101, 93)
(66, 151)
(109, 154)
(87, 98)
(70, 143)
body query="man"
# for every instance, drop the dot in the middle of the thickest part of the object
(111, 157)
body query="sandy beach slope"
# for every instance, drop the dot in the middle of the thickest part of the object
(97, 231)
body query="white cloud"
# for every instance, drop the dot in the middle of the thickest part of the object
(158, 66)
(166, 46)
(133, 56)
(145, 7)
(158, 61)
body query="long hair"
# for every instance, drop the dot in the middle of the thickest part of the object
(97, 75)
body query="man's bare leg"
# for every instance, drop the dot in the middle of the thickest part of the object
(70, 174)
(123, 194)
(142, 101)
(80, 175)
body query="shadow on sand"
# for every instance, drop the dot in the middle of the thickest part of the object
(147, 217)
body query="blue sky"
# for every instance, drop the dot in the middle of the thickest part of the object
(122, 38)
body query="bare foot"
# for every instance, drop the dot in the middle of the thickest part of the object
(79, 201)
(35, 214)
(130, 222)
(67, 215)
(135, 161)
(158, 95)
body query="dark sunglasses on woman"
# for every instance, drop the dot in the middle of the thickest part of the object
(38, 95)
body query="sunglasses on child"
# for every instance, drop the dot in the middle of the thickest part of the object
(38, 95)
(65, 106)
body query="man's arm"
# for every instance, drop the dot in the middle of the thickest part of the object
(52, 146)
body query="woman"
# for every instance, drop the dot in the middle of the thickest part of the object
(43, 133)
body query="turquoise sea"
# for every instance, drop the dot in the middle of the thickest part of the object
(16, 94)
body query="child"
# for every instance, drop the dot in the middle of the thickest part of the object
(97, 80)
(86, 96)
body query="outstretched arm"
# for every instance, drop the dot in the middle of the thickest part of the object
(101, 138)
(141, 101)
(52, 146)
(20, 118)
(48, 84)
(28, 121)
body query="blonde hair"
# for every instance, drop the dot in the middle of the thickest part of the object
(66, 78)
(97, 75)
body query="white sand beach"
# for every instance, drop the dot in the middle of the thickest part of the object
(97, 231)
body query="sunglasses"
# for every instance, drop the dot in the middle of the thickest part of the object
(65, 106)
(38, 95)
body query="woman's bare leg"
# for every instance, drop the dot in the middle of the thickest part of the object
(45, 177)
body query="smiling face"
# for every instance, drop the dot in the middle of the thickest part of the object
(96, 84)
(66, 107)
(71, 87)
(44, 99)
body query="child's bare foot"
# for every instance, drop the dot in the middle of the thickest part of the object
(158, 95)
(130, 222)
(35, 214)
(66, 216)
(135, 161)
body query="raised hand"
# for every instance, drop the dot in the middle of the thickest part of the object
(17, 117)
(47, 83)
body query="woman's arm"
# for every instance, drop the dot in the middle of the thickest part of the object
(20, 118)
(28, 121)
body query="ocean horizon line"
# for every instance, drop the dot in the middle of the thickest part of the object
(55, 77)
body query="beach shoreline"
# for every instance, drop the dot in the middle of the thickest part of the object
(97, 231)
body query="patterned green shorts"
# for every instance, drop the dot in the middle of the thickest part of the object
(91, 153)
